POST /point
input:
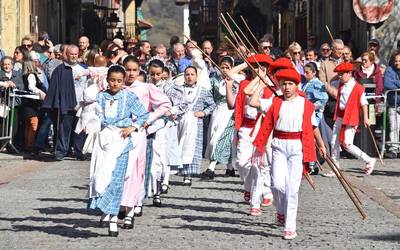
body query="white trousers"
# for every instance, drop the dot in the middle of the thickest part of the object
(287, 170)
(348, 145)
(257, 180)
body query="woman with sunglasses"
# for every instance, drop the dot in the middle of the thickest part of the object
(21, 54)
(296, 54)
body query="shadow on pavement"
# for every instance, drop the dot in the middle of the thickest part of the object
(62, 210)
(211, 209)
(212, 200)
(232, 221)
(395, 237)
(375, 172)
(70, 229)
(63, 199)
(84, 187)
(64, 231)
(230, 230)
(240, 190)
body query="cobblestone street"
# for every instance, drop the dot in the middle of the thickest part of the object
(43, 206)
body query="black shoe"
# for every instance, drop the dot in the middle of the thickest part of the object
(208, 174)
(81, 157)
(157, 201)
(112, 233)
(59, 157)
(230, 173)
(128, 222)
(390, 155)
(164, 189)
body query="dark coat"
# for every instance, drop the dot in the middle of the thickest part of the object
(61, 93)
(16, 78)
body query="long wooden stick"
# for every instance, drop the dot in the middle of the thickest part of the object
(248, 28)
(205, 54)
(344, 178)
(346, 185)
(241, 32)
(329, 32)
(376, 146)
(251, 67)
(310, 180)
(228, 28)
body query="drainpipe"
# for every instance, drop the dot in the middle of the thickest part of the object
(18, 33)
(186, 28)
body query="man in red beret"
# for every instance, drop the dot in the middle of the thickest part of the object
(350, 100)
(256, 180)
(291, 121)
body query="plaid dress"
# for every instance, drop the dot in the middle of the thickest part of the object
(205, 103)
(118, 110)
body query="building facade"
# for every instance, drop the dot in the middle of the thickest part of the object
(294, 20)
(66, 20)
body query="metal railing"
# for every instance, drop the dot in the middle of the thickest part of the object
(7, 109)
(396, 109)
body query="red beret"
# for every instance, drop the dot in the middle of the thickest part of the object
(344, 67)
(281, 63)
(260, 58)
(289, 75)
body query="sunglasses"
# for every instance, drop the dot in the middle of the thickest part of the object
(267, 47)
(296, 52)
(325, 49)
(27, 45)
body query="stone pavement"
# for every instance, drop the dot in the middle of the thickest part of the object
(46, 209)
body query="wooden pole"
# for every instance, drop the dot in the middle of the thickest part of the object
(376, 146)
(329, 32)
(346, 185)
(310, 180)
(251, 67)
(248, 28)
(205, 54)
(241, 32)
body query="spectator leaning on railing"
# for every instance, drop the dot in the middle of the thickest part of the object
(392, 81)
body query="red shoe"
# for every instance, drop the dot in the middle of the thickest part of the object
(280, 220)
(246, 196)
(289, 235)
(255, 211)
(266, 202)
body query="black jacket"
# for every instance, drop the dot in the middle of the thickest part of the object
(16, 78)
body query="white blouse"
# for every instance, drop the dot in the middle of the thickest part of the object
(345, 94)
(291, 115)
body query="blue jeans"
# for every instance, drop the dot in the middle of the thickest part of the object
(43, 131)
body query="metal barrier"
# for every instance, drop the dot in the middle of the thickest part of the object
(7, 109)
(7, 114)
(396, 109)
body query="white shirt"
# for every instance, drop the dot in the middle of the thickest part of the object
(9, 74)
(249, 111)
(32, 84)
(291, 115)
(345, 94)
